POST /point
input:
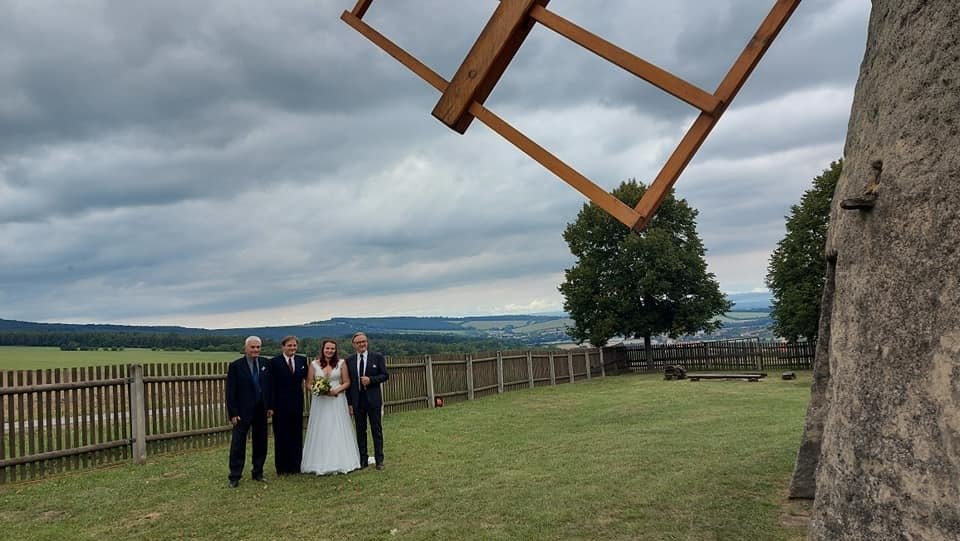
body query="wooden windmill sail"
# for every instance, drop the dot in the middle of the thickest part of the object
(463, 97)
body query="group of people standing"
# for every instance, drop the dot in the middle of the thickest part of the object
(258, 388)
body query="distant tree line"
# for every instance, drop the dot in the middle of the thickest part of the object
(106, 340)
(388, 344)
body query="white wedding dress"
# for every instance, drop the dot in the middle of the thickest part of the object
(331, 442)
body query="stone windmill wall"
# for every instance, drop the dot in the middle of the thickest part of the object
(889, 451)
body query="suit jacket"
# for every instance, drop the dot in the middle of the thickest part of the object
(376, 371)
(241, 392)
(287, 392)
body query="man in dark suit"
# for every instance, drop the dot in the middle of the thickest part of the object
(248, 398)
(288, 371)
(368, 369)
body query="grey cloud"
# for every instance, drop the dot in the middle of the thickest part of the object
(163, 158)
(176, 68)
(213, 260)
(151, 169)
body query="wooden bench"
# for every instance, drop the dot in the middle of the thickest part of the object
(752, 376)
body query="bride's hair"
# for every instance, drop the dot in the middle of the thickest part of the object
(336, 353)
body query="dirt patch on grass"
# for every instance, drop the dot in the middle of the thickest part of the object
(166, 476)
(141, 518)
(52, 515)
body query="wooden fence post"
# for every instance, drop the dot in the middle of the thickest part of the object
(138, 415)
(499, 372)
(553, 371)
(603, 369)
(570, 364)
(586, 361)
(431, 396)
(758, 354)
(530, 368)
(470, 377)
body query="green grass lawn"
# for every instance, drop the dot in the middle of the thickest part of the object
(628, 457)
(32, 358)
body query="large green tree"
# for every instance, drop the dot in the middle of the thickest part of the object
(797, 267)
(639, 285)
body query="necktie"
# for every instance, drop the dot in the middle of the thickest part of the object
(363, 364)
(290, 364)
(256, 377)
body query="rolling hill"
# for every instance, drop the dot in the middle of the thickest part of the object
(750, 317)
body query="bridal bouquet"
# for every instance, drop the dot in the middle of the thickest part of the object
(321, 385)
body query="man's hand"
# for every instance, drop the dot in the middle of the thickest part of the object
(351, 410)
(235, 420)
(365, 380)
(269, 413)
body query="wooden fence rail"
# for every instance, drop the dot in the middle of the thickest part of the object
(729, 355)
(58, 420)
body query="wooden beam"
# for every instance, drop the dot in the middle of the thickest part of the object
(702, 126)
(361, 8)
(618, 209)
(658, 77)
(485, 63)
(392, 49)
(755, 49)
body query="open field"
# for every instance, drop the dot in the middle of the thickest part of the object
(628, 457)
(746, 316)
(554, 325)
(734, 317)
(32, 358)
(486, 324)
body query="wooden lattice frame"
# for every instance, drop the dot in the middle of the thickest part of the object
(463, 97)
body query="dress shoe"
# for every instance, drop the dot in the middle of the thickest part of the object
(234, 484)
(379, 467)
(260, 479)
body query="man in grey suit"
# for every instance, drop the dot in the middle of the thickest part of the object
(368, 369)
(248, 397)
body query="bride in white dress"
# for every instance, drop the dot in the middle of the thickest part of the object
(331, 442)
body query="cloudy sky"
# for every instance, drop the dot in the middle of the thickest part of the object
(223, 162)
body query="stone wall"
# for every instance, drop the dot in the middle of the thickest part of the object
(889, 465)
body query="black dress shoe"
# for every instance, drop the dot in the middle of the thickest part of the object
(234, 484)
(379, 467)
(260, 479)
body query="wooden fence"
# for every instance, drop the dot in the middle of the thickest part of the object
(59, 420)
(725, 355)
